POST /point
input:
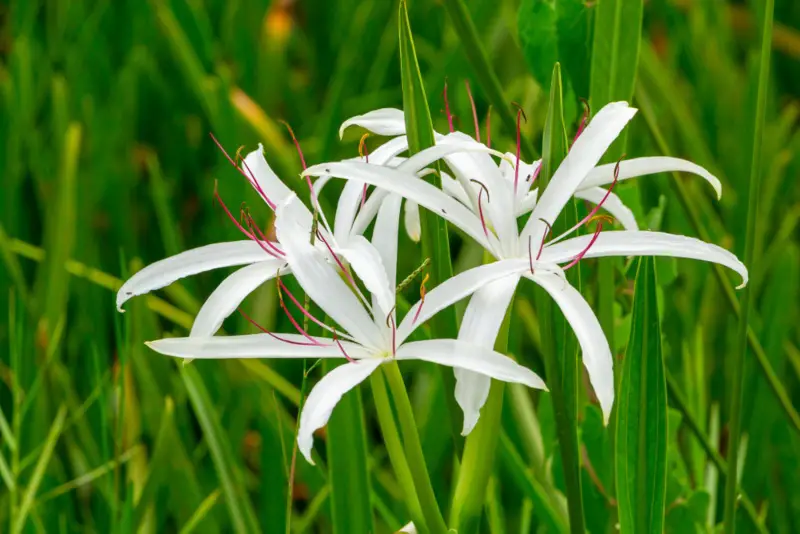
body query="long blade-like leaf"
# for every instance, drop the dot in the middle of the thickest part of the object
(641, 445)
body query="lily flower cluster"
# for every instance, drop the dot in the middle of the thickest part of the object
(484, 192)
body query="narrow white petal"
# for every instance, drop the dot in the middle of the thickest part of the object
(613, 205)
(596, 353)
(456, 353)
(456, 288)
(197, 260)
(324, 397)
(230, 293)
(411, 220)
(268, 181)
(346, 208)
(453, 187)
(528, 202)
(445, 146)
(480, 326)
(254, 346)
(408, 528)
(319, 279)
(632, 168)
(624, 243)
(409, 187)
(367, 214)
(319, 184)
(582, 157)
(386, 154)
(384, 121)
(385, 235)
(368, 266)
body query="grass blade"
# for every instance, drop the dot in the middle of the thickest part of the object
(236, 497)
(201, 512)
(731, 482)
(641, 441)
(38, 471)
(561, 380)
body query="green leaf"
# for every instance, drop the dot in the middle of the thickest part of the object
(750, 259)
(615, 57)
(434, 233)
(241, 510)
(347, 465)
(556, 30)
(641, 439)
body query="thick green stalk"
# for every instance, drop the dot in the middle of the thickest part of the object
(479, 451)
(466, 31)
(413, 450)
(394, 446)
(749, 260)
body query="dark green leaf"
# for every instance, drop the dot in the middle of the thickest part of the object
(641, 448)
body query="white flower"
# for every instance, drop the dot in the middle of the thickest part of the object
(487, 212)
(369, 335)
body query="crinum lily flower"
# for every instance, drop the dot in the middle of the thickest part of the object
(263, 258)
(490, 219)
(368, 335)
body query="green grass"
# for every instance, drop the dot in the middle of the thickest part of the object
(106, 165)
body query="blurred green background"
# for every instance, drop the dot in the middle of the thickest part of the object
(106, 164)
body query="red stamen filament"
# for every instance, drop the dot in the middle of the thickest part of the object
(390, 319)
(544, 238)
(251, 178)
(276, 336)
(605, 197)
(447, 109)
(480, 206)
(474, 112)
(341, 266)
(294, 322)
(302, 162)
(530, 254)
(584, 120)
(341, 348)
(422, 293)
(252, 226)
(520, 114)
(580, 256)
(284, 289)
(242, 229)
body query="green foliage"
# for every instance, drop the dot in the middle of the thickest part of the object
(106, 165)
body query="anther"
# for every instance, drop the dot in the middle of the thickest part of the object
(447, 108)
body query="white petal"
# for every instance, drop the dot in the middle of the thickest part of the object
(346, 208)
(632, 168)
(230, 293)
(581, 159)
(480, 326)
(319, 184)
(456, 288)
(613, 205)
(267, 180)
(366, 261)
(368, 212)
(387, 152)
(411, 220)
(319, 279)
(596, 354)
(446, 146)
(197, 260)
(385, 235)
(411, 188)
(408, 528)
(624, 243)
(453, 187)
(324, 397)
(254, 346)
(385, 121)
(527, 203)
(455, 353)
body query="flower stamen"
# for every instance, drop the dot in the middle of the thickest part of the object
(276, 336)
(447, 108)
(580, 256)
(544, 238)
(250, 178)
(341, 348)
(390, 319)
(474, 112)
(520, 114)
(480, 205)
(364, 153)
(239, 226)
(285, 309)
(584, 120)
(422, 293)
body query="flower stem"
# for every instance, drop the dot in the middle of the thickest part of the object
(413, 450)
(394, 446)
(731, 481)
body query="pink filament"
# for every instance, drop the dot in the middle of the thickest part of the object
(251, 178)
(544, 237)
(520, 114)
(580, 256)
(608, 193)
(294, 322)
(530, 254)
(474, 112)
(390, 319)
(447, 109)
(338, 261)
(300, 306)
(584, 121)
(276, 336)
(242, 229)
(251, 225)
(302, 162)
(341, 348)
(480, 206)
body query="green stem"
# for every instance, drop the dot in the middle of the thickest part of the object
(731, 481)
(413, 450)
(394, 446)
